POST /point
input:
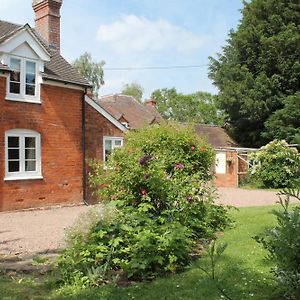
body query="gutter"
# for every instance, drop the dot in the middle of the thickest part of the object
(46, 77)
(84, 177)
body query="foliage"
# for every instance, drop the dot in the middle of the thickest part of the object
(163, 206)
(258, 70)
(285, 122)
(283, 244)
(199, 107)
(135, 243)
(92, 71)
(215, 250)
(278, 165)
(133, 89)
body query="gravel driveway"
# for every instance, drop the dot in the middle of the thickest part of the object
(35, 231)
(244, 197)
(42, 231)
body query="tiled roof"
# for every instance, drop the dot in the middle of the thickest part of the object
(6, 29)
(57, 68)
(127, 109)
(216, 136)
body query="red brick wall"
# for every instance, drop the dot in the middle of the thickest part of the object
(59, 121)
(230, 179)
(96, 127)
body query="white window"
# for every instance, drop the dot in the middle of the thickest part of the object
(221, 163)
(109, 144)
(23, 80)
(22, 154)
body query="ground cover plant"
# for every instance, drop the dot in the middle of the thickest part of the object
(160, 206)
(277, 165)
(242, 271)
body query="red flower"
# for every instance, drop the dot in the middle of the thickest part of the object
(179, 166)
(193, 148)
(143, 192)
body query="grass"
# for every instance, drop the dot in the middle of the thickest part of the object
(242, 271)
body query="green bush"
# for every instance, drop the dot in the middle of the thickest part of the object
(135, 244)
(283, 245)
(158, 183)
(277, 165)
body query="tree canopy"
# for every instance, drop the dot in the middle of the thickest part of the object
(90, 70)
(199, 107)
(258, 72)
(133, 89)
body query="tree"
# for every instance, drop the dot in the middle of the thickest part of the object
(90, 70)
(199, 107)
(133, 89)
(259, 69)
(286, 121)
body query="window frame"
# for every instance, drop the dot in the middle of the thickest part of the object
(112, 139)
(22, 96)
(22, 174)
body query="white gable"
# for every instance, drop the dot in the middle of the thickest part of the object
(25, 36)
(24, 50)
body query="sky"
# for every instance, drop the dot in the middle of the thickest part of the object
(142, 33)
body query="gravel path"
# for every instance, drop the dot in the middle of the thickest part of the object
(42, 231)
(35, 231)
(245, 198)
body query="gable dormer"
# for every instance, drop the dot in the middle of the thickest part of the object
(25, 56)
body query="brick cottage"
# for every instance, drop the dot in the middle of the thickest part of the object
(49, 126)
(44, 111)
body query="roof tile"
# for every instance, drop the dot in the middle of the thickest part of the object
(126, 107)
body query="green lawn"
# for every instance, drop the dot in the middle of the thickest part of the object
(242, 271)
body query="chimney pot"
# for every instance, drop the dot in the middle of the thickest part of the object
(150, 102)
(47, 21)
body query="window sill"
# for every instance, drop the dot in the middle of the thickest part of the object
(23, 178)
(24, 100)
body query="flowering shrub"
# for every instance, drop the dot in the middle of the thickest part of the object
(277, 165)
(158, 183)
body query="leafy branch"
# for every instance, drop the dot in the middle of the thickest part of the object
(214, 252)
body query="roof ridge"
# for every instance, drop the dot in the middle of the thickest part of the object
(202, 124)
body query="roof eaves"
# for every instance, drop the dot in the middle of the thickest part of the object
(54, 78)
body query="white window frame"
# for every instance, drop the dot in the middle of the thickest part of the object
(22, 174)
(113, 139)
(22, 96)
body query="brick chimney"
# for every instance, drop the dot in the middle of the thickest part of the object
(150, 102)
(47, 21)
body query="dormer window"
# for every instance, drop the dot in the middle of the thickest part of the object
(22, 85)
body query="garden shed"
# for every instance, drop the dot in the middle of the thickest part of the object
(231, 160)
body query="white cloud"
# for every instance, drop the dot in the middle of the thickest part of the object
(133, 33)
